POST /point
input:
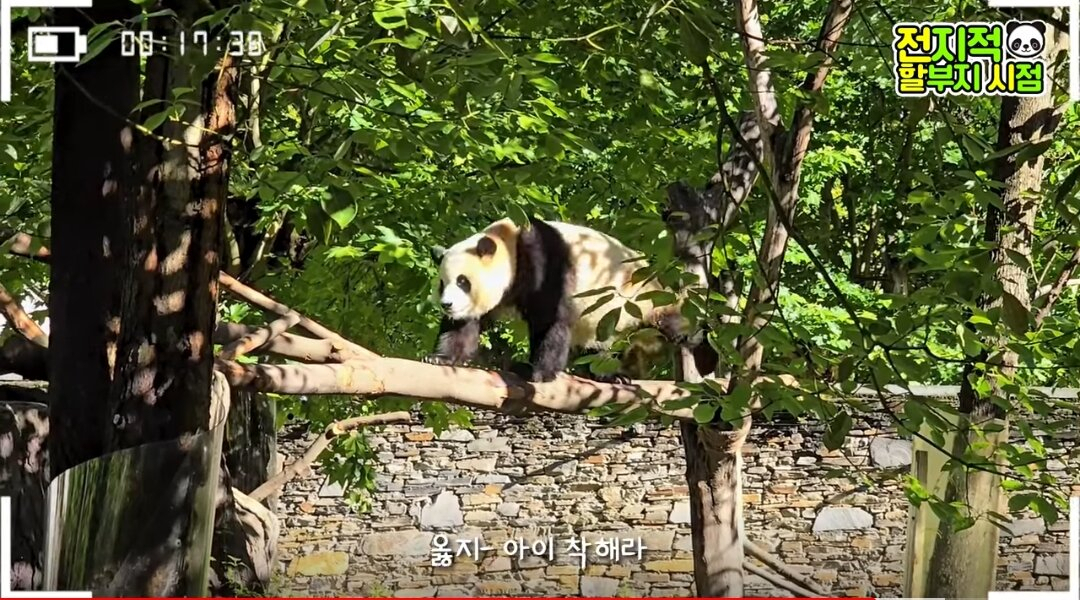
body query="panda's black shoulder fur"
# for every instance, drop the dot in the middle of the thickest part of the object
(542, 268)
(541, 293)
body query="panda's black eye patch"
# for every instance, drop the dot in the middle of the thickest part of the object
(463, 283)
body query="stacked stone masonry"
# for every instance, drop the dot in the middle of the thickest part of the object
(564, 476)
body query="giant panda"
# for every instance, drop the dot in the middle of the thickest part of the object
(537, 272)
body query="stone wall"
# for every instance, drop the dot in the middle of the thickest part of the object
(563, 476)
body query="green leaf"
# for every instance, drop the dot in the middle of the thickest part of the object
(605, 365)
(595, 292)
(99, 43)
(544, 84)
(680, 403)
(695, 44)
(545, 57)
(596, 305)
(317, 7)
(968, 340)
(1011, 485)
(634, 415)
(390, 18)
(606, 328)
(838, 429)
(449, 23)
(155, 120)
(1067, 186)
(704, 412)
(1046, 510)
(658, 297)
(1019, 502)
(340, 206)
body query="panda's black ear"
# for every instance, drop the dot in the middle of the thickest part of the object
(437, 253)
(1011, 25)
(1040, 26)
(485, 246)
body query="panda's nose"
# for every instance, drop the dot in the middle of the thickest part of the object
(447, 305)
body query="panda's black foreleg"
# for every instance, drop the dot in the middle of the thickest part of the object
(458, 342)
(549, 350)
(612, 378)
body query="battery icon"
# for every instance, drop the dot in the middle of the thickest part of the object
(55, 44)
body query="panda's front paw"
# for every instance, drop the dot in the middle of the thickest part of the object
(522, 370)
(533, 374)
(614, 378)
(438, 359)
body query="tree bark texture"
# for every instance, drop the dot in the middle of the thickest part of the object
(137, 222)
(92, 164)
(963, 564)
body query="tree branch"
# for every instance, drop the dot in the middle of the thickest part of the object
(22, 244)
(475, 388)
(20, 321)
(262, 301)
(811, 589)
(787, 163)
(1056, 290)
(286, 345)
(319, 445)
(259, 337)
(761, 86)
(780, 582)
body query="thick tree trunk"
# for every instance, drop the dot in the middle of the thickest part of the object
(713, 463)
(714, 476)
(245, 531)
(963, 563)
(135, 259)
(92, 157)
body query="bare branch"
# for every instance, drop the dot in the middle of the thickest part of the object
(475, 388)
(262, 301)
(811, 589)
(761, 86)
(1056, 290)
(21, 321)
(285, 345)
(319, 445)
(828, 40)
(259, 337)
(780, 582)
(22, 244)
(784, 180)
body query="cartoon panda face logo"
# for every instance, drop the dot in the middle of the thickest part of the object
(1025, 39)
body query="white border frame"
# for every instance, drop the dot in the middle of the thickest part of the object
(5, 35)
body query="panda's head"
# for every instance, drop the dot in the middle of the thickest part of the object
(474, 274)
(1026, 39)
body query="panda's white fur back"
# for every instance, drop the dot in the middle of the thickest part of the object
(601, 261)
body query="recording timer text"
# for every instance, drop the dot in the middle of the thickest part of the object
(236, 43)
